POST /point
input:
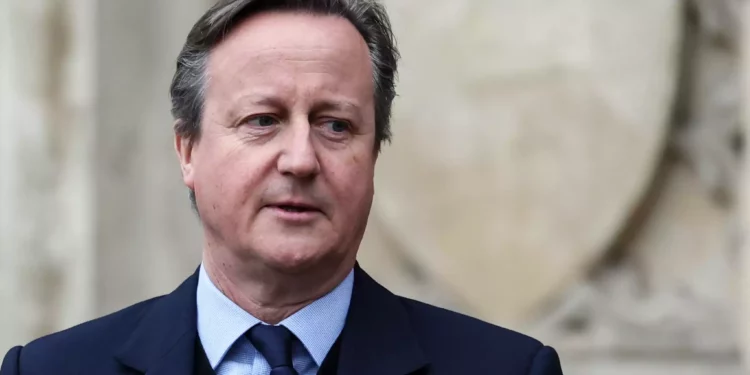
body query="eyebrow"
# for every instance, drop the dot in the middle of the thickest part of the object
(336, 105)
(265, 100)
(275, 101)
(239, 104)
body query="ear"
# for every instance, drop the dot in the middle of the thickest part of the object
(184, 148)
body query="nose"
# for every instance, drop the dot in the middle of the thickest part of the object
(298, 157)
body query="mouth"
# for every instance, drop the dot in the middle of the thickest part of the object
(295, 213)
(294, 208)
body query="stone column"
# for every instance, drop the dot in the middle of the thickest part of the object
(46, 183)
(744, 191)
(93, 215)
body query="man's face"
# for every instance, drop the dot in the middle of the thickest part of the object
(283, 170)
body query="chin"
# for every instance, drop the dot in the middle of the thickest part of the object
(293, 256)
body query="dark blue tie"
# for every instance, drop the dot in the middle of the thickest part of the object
(275, 344)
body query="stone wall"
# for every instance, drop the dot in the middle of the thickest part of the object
(46, 149)
(567, 168)
(92, 213)
(667, 290)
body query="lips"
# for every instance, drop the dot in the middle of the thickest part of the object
(295, 213)
(295, 207)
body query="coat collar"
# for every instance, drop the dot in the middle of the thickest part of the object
(377, 336)
(163, 342)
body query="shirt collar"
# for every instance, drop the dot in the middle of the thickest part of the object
(221, 322)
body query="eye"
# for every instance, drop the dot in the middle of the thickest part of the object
(337, 126)
(262, 121)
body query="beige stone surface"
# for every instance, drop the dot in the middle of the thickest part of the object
(667, 293)
(524, 134)
(46, 132)
(93, 215)
(148, 240)
(674, 291)
(744, 192)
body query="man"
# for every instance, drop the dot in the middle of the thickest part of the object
(281, 107)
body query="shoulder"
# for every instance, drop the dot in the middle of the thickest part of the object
(450, 338)
(434, 320)
(64, 351)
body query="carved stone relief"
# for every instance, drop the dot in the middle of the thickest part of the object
(570, 172)
(668, 287)
(515, 160)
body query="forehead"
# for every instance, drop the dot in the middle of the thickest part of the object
(279, 46)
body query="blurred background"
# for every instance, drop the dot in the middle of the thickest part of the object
(572, 169)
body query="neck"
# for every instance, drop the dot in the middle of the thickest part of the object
(266, 293)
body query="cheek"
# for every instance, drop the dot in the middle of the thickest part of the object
(230, 175)
(352, 180)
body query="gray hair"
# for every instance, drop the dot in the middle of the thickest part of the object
(368, 16)
(189, 82)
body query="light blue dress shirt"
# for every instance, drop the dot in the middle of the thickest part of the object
(222, 326)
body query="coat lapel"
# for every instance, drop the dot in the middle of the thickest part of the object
(163, 343)
(377, 338)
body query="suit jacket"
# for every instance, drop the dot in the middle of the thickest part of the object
(383, 335)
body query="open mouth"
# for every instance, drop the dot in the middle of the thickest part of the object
(289, 208)
(295, 208)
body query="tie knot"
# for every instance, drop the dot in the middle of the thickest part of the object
(274, 343)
